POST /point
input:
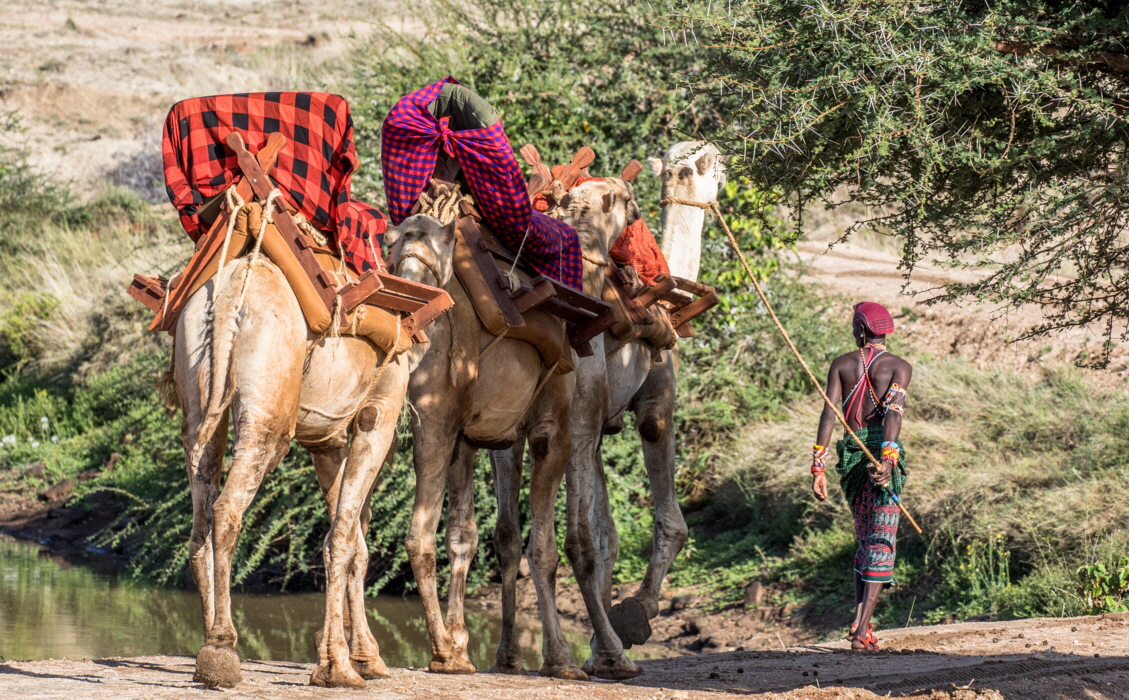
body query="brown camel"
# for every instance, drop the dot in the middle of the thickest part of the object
(599, 211)
(242, 342)
(640, 382)
(473, 391)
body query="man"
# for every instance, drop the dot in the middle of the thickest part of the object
(873, 406)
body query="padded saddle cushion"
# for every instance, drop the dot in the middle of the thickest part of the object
(380, 326)
(545, 332)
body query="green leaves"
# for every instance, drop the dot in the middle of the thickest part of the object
(991, 136)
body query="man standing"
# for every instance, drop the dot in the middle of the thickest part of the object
(873, 406)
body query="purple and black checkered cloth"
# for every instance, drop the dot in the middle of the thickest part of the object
(410, 142)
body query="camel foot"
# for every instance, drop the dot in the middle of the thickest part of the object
(508, 669)
(461, 665)
(566, 672)
(630, 622)
(334, 675)
(619, 669)
(371, 669)
(217, 667)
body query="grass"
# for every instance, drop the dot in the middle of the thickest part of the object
(1018, 484)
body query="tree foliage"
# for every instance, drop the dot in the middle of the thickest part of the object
(983, 135)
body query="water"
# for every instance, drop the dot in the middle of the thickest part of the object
(50, 609)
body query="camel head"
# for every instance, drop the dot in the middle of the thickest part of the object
(695, 172)
(599, 210)
(421, 249)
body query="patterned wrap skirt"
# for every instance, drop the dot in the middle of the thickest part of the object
(875, 514)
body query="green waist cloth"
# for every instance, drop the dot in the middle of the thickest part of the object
(853, 467)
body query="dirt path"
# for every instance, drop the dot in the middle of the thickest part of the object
(978, 333)
(92, 81)
(1046, 658)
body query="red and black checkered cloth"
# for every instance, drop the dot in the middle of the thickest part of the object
(636, 246)
(313, 170)
(410, 141)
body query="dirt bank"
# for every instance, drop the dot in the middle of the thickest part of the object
(1047, 658)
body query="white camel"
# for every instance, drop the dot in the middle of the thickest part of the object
(641, 382)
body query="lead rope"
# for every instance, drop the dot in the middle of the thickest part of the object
(713, 208)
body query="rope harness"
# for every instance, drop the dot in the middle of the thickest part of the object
(713, 208)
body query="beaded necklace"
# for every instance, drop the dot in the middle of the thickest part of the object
(870, 385)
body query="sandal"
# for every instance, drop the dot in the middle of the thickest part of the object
(867, 642)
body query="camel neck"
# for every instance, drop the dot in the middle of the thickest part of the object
(682, 239)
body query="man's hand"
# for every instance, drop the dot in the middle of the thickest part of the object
(819, 486)
(883, 477)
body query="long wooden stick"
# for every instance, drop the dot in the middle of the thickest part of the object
(712, 206)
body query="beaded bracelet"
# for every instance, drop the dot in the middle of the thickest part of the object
(818, 459)
(891, 452)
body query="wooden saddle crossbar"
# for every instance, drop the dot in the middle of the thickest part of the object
(684, 299)
(419, 304)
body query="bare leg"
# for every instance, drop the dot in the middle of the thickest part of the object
(654, 411)
(507, 466)
(346, 555)
(591, 541)
(550, 445)
(256, 454)
(435, 449)
(204, 481)
(462, 543)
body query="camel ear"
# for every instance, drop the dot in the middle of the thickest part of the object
(449, 232)
(705, 163)
(391, 236)
(656, 165)
(609, 200)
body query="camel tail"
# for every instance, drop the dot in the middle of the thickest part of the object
(221, 343)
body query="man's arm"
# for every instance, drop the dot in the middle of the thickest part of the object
(827, 418)
(895, 402)
(826, 426)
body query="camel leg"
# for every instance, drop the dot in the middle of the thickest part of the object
(462, 543)
(507, 466)
(591, 541)
(204, 482)
(654, 412)
(256, 455)
(346, 656)
(435, 448)
(549, 447)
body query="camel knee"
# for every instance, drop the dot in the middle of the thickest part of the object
(539, 446)
(507, 540)
(651, 427)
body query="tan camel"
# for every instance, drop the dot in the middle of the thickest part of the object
(639, 381)
(599, 211)
(259, 358)
(469, 392)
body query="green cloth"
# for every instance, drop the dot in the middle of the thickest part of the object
(853, 467)
(464, 106)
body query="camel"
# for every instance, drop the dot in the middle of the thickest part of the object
(599, 211)
(639, 381)
(242, 342)
(471, 391)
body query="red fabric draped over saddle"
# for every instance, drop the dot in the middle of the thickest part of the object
(314, 171)
(410, 142)
(635, 247)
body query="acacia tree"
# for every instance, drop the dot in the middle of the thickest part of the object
(986, 134)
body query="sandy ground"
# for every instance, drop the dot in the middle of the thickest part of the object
(982, 334)
(1080, 658)
(92, 80)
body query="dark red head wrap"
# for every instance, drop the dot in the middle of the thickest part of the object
(874, 317)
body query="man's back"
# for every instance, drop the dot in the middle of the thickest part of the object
(885, 370)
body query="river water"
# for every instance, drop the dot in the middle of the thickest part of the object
(50, 609)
